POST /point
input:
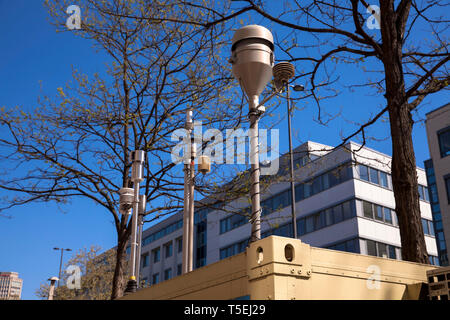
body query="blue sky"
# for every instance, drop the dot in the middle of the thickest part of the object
(33, 53)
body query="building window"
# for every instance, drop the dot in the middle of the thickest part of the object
(425, 226)
(447, 186)
(423, 193)
(179, 268)
(180, 245)
(301, 227)
(155, 278)
(167, 274)
(444, 141)
(363, 172)
(384, 179)
(378, 212)
(156, 255)
(168, 249)
(309, 224)
(329, 219)
(337, 212)
(382, 250)
(367, 209)
(392, 253)
(373, 175)
(145, 260)
(387, 215)
(371, 248)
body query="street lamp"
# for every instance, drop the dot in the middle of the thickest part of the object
(282, 72)
(60, 262)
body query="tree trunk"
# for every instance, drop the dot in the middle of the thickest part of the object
(404, 174)
(404, 180)
(118, 285)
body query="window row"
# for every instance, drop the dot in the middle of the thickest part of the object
(377, 212)
(384, 179)
(282, 231)
(167, 275)
(163, 232)
(351, 245)
(156, 252)
(375, 176)
(324, 218)
(233, 249)
(387, 215)
(283, 199)
(323, 182)
(379, 249)
(310, 223)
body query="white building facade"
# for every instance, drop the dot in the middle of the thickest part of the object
(344, 201)
(10, 286)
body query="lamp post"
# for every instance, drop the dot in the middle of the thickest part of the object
(282, 72)
(60, 262)
(291, 164)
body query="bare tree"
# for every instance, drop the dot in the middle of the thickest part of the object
(407, 54)
(96, 274)
(77, 144)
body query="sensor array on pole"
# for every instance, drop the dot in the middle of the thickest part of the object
(252, 59)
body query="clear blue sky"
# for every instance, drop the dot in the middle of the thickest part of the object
(32, 52)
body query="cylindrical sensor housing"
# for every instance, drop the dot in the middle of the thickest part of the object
(126, 200)
(252, 58)
(142, 203)
(204, 164)
(137, 158)
(193, 150)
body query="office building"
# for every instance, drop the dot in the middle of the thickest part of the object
(438, 176)
(344, 201)
(10, 286)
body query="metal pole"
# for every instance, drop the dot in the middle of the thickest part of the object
(134, 237)
(188, 178)
(137, 175)
(186, 219)
(60, 266)
(138, 255)
(291, 158)
(191, 216)
(142, 204)
(254, 177)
